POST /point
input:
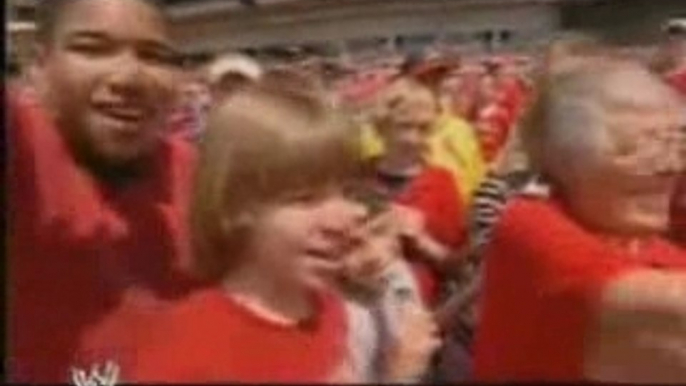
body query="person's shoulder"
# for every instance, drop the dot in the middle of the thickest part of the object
(23, 105)
(197, 307)
(179, 150)
(437, 173)
(533, 219)
(521, 207)
(435, 178)
(451, 121)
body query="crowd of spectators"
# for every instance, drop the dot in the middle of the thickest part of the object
(417, 218)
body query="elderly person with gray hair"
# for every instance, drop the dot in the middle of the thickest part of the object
(582, 286)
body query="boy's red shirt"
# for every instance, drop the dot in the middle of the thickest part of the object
(434, 194)
(543, 280)
(211, 338)
(86, 262)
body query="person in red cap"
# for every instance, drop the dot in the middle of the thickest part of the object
(97, 193)
(493, 126)
(582, 285)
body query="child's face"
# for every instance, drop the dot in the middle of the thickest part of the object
(408, 131)
(300, 241)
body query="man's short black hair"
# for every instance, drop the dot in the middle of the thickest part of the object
(50, 12)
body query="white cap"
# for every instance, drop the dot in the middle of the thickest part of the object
(675, 25)
(234, 63)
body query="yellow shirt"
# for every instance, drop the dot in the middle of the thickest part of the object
(453, 146)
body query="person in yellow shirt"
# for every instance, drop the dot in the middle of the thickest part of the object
(452, 145)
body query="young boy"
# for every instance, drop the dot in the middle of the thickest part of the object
(431, 209)
(272, 227)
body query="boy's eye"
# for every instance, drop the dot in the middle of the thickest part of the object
(91, 48)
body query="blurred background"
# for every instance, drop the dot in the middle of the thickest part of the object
(353, 32)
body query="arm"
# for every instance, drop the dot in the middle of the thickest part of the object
(413, 230)
(434, 218)
(448, 314)
(640, 335)
(408, 355)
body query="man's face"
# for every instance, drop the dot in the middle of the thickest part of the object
(109, 75)
(648, 157)
(628, 188)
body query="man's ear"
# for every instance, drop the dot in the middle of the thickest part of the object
(40, 55)
(38, 66)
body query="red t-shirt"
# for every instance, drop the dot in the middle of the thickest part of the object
(543, 278)
(84, 256)
(434, 194)
(211, 338)
(679, 212)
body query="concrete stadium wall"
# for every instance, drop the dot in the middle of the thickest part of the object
(623, 22)
(218, 30)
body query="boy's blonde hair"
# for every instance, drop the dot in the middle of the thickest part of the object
(266, 142)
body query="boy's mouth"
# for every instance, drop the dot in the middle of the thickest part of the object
(323, 260)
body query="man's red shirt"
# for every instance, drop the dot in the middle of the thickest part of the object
(87, 262)
(543, 281)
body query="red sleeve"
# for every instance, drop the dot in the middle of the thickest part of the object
(543, 279)
(434, 194)
(41, 185)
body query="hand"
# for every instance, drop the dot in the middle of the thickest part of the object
(409, 221)
(411, 225)
(376, 246)
(344, 374)
(409, 355)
